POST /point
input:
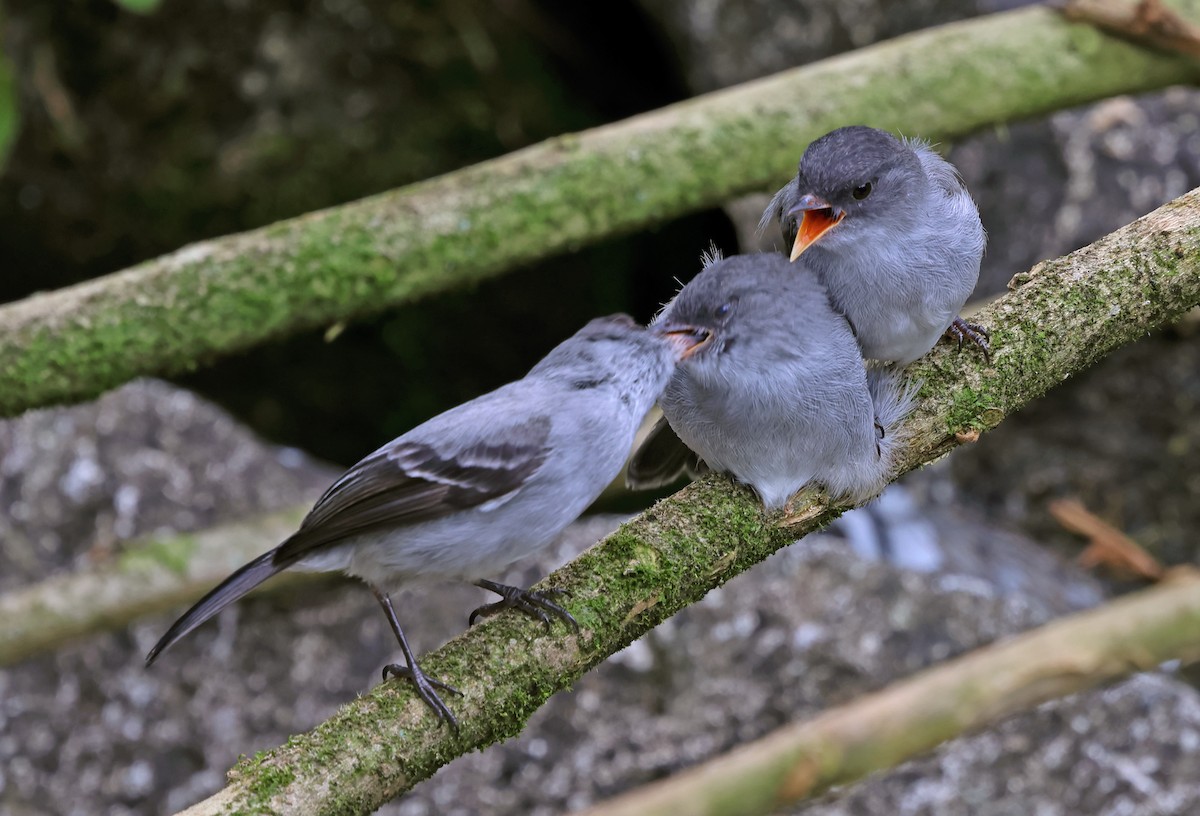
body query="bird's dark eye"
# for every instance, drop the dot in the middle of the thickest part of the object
(862, 191)
(723, 311)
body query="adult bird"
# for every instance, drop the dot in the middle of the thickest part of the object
(478, 487)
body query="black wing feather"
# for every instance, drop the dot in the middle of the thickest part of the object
(409, 482)
(662, 459)
(402, 483)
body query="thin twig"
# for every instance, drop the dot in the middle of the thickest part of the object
(1148, 22)
(1107, 544)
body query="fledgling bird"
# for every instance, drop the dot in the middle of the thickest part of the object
(775, 393)
(478, 487)
(893, 234)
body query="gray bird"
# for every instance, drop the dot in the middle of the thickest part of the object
(891, 231)
(776, 393)
(478, 487)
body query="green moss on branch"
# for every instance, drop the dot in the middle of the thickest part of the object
(222, 296)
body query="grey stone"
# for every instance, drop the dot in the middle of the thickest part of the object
(75, 482)
(812, 627)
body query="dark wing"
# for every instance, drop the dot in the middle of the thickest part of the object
(781, 202)
(409, 481)
(662, 459)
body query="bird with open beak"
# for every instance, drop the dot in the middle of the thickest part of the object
(891, 231)
(773, 389)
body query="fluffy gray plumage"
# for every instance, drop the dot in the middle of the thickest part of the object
(905, 258)
(480, 486)
(778, 396)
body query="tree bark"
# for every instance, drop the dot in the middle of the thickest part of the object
(216, 297)
(1057, 320)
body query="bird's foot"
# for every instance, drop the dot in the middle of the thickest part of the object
(961, 330)
(425, 689)
(535, 603)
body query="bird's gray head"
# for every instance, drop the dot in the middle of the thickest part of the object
(615, 352)
(852, 181)
(732, 304)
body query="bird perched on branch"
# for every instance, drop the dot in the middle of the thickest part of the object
(889, 228)
(775, 393)
(478, 487)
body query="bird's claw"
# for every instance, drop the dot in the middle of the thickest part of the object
(961, 330)
(535, 603)
(425, 686)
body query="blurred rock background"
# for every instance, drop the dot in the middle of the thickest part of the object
(142, 132)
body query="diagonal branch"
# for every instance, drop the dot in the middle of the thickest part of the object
(1058, 319)
(225, 295)
(156, 575)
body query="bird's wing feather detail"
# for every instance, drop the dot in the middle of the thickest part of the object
(410, 481)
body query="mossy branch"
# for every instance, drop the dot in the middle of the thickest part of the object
(153, 575)
(170, 314)
(881, 730)
(1057, 320)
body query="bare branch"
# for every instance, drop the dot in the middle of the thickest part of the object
(1149, 22)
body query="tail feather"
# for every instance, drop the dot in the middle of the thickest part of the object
(229, 590)
(661, 460)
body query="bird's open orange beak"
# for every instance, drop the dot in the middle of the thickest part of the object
(819, 216)
(686, 340)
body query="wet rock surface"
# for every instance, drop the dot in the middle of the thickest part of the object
(76, 482)
(812, 627)
(1132, 748)
(1123, 438)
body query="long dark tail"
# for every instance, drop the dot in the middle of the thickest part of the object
(229, 590)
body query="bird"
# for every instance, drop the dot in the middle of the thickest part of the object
(892, 232)
(478, 487)
(776, 392)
